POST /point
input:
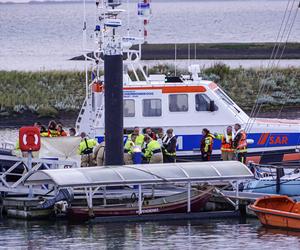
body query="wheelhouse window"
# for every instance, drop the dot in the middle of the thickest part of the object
(203, 103)
(178, 103)
(129, 108)
(152, 107)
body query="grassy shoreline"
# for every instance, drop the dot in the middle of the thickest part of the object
(41, 95)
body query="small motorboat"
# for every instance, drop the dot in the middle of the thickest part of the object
(277, 211)
(176, 203)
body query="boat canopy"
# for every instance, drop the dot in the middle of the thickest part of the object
(142, 174)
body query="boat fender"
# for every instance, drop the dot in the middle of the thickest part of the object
(250, 141)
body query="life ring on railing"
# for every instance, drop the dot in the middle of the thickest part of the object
(29, 139)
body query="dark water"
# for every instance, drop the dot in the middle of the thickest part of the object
(214, 234)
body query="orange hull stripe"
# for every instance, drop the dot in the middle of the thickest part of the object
(291, 157)
(264, 139)
(255, 159)
(171, 89)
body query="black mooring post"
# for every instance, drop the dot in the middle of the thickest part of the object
(279, 174)
(113, 93)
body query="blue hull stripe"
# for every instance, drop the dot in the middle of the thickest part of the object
(261, 140)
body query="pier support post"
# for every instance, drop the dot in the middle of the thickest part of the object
(113, 93)
(237, 202)
(30, 193)
(104, 196)
(140, 199)
(189, 197)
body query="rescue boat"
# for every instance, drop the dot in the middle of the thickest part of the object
(188, 106)
(185, 103)
(277, 211)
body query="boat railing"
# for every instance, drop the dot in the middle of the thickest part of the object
(14, 171)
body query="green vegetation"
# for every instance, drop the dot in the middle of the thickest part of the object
(42, 93)
(46, 94)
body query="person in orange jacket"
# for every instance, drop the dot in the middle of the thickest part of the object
(227, 149)
(240, 143)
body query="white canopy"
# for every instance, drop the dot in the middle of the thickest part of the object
(142, 174)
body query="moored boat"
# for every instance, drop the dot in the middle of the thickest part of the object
(176, 203)
(277, 211)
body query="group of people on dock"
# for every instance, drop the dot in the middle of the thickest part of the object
(160, 147)
(54, 129)
(233, 144)
(154, 147)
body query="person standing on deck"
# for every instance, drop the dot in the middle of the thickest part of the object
(85, 149)
(206, 145)
(153, 152)
(240, 143)
(169, 146)
(226, 144)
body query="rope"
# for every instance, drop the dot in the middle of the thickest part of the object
(280, 57)
(284, 23)
(273, 50)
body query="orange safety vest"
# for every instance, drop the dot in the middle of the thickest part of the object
(63, 133)
(242, 143)
(227, 146)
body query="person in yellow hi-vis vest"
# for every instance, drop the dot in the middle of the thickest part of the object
(139, 141)
(128, 149)
(227, 149)
(85, 149)
(206, 145)
(153, 152)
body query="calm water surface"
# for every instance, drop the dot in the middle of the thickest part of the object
(214, 234)
(45, 36)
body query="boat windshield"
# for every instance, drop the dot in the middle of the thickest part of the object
(224, 97)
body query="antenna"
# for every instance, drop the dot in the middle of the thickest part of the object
(144, 12)
(175, 59)
(189, 54)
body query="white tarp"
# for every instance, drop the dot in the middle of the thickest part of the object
(61, 148)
